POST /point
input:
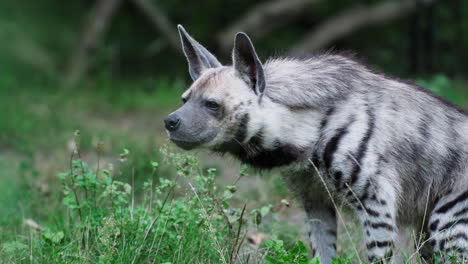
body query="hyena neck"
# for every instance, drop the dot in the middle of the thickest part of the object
(258, 156)
(275, 137)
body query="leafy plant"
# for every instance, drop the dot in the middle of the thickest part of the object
(182, 219)
(277, 254)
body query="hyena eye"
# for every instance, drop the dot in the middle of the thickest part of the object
(212, 105)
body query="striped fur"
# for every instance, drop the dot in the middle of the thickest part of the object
(340, 132)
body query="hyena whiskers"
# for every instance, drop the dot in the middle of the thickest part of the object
(392, 152)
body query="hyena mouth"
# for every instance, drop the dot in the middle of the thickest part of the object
(186, 145)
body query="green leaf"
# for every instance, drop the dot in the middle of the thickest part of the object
(244, 170)
(231, 188)
(314, 261)
(256, 216)
(53, 237)
(227, 195)
(265, 210)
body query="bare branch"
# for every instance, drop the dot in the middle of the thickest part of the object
(97, 24)
(264, 18)
(160, 22)
(351, 20)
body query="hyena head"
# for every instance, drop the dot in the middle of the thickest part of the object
(218, 104)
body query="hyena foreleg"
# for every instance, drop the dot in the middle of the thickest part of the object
(320, 213)
(322, 230)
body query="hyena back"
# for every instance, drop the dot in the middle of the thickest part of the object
(341, 134)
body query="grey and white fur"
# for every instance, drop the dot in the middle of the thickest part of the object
(393, 152)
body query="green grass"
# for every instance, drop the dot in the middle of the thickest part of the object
(99, 219)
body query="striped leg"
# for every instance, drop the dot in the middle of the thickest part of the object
(448, 228)
(376, 212)
(322, 234)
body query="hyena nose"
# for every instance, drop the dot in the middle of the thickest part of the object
(172, 122)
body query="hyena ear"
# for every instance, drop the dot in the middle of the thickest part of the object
(198, 57)
(247, 63)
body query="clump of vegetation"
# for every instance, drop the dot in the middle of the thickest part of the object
(186, 218)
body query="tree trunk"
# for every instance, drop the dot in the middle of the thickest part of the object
(351, 20)
(160, 22)
(263, 19)
(93, 33)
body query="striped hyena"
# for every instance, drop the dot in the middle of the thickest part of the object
(391, 151)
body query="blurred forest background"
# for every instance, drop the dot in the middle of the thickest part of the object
(113, 69)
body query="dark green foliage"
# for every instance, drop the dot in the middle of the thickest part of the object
(277, 254)
(100, 220)
(453, 91)
(39, 37)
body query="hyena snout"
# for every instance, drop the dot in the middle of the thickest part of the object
(190, 127)
(172, 122)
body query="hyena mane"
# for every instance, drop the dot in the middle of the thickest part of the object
(394, 153)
